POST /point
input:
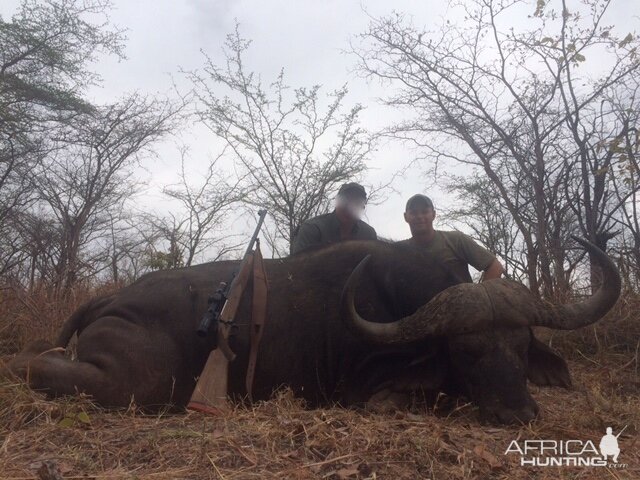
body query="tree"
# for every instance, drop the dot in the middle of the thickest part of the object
(293, 152)
(626, 183)
(206, 207)
(481, 209)
(45, 50)
(39, 240)
(44, 53)
(91, 177)
(164, 250)
(11, 245)
(520, 106)
(120, 247)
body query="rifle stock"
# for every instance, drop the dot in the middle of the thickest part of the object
(210, 394)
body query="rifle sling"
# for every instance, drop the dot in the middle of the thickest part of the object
(254, 265)
(258, 316)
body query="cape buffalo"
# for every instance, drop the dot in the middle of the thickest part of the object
(140, 343)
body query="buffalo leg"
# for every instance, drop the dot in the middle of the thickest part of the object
(118, 362)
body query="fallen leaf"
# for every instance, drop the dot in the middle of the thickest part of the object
(347, 472)
(487, 456)
(84, 418)
(66, 422)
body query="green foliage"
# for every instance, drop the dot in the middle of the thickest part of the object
(74, 419)
(163, 260)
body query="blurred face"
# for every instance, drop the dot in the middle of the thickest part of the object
(351, 205)
(420, 219)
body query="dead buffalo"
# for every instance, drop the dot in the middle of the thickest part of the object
(140, 343)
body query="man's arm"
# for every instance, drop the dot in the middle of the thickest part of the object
(495, 270)
(481, 259)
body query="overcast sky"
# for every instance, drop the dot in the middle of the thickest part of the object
(306, 38)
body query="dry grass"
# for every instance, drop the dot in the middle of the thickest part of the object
(282, 439)
(38, 314)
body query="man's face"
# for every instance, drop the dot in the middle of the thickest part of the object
(420, 219)
(351, 205)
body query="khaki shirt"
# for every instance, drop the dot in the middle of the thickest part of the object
(457, 251)
(325, 229)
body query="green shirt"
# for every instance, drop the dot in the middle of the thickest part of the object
(325, 229)
(457, 251)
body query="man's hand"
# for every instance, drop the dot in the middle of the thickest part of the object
(495, 270)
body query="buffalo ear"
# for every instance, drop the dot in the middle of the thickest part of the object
(546, 368)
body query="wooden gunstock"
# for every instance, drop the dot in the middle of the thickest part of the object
(210, 394)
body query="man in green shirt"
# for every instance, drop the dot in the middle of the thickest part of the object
(455, 249)
(342, 224)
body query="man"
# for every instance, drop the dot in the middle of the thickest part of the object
(342, 224)
(455, 249)
(609, 445)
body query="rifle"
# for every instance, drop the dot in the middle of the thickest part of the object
(620, 432)
(210, 393)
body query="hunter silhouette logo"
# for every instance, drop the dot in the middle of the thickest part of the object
(577, 453)
(609, 445)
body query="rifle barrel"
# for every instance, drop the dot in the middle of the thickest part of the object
(261, 215)
(211, 313)
(620, 432)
